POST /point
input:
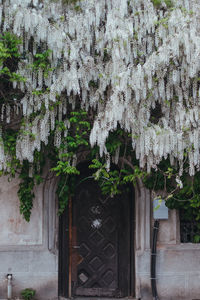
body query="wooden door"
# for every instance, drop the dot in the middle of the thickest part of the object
(101, 245)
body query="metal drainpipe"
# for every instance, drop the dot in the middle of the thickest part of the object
(9, 286)
(153, 261)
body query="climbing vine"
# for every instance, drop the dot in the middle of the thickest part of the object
(114, 82)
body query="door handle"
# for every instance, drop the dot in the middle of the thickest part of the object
(76, 247)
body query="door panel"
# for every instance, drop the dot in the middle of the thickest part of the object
(101, 243)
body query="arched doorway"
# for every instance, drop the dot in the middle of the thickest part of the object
(96, 242)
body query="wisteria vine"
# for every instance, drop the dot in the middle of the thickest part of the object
(129, 64)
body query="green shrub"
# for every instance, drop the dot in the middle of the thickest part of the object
(28, 294)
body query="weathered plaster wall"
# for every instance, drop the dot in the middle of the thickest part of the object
(177, 264)
(14, 230)
(28, 250)
(178, 271)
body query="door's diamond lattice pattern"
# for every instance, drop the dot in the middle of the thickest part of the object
(96, 263)
(84, 250)
(96, 238)
(98, 245)
(109, 251)
(109, 225)
(83, 277)
(108, 277)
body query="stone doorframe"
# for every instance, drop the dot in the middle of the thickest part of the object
(142, 225)
(142, 232)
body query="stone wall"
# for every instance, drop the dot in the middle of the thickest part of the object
(28, 250)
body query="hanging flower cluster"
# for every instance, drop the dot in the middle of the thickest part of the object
(120, 58)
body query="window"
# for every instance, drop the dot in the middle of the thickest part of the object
(189, 229)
